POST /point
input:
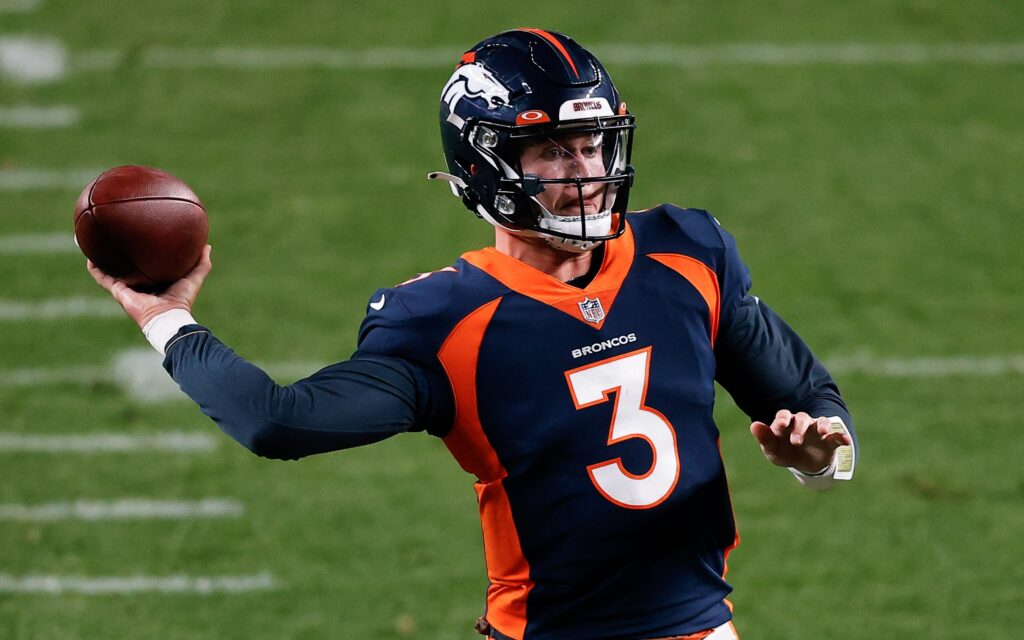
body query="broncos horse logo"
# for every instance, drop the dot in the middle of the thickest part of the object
(475, 82)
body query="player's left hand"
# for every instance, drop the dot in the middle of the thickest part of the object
(797, 440)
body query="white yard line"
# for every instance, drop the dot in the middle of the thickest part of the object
(33, 117)
(851, 53)
(612, 54)
(32, 59)
(19, 6)
(173, 441)
(201, 585)
(40, 179)
(298, 57)
(59, 308)
(45, 376)
(740, 54)
(37, 243)
(946, 367)
(123, 509)
(40, 59)
(139, 372)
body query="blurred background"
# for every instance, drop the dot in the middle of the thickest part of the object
(867, 156)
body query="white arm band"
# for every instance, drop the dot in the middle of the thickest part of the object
(164, 326)
(841, 468)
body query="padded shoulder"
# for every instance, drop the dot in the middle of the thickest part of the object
(668, 228)
(697, 234)
(411, 320)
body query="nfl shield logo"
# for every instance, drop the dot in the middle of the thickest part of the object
(592, 310)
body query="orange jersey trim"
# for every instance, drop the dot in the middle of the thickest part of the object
(703, 279)
(556, 44)
(546, 289)
(507, 568)
(458, 355)
(736, 537)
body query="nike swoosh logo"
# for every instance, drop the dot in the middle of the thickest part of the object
(377, 306)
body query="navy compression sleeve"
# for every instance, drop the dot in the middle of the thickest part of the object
(345, 405)
(765, 367)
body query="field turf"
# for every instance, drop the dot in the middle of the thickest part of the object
(878, 206)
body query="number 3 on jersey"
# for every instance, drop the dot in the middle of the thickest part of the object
(626, 376)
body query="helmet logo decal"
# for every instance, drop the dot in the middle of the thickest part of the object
(534, 116)
(474, 82)
(592, 310)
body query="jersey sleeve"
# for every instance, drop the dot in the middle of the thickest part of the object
(765, 366)
(400, 323)
(760, 360)
(348, 404)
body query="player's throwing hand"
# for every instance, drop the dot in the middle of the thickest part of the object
(143, 307)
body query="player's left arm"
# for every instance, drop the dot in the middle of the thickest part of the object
(799, 418)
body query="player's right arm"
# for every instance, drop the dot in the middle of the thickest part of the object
(362, 400)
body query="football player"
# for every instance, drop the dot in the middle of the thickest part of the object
(569, 368)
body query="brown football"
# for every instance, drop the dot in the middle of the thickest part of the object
(141, 225)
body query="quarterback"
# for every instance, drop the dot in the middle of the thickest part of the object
(569, 368)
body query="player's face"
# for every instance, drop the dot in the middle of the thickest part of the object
(570, 156)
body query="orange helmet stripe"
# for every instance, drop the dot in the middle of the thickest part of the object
(556, 44)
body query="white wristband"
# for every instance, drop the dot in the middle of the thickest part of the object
(841, 468)
(163, 327)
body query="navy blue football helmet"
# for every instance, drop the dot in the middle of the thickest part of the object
(529, 86)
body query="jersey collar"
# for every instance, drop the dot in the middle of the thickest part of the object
(528, 281)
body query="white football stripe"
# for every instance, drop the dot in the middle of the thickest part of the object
(174, 441)
(946, 367)
(59, 308)
(37, 243)
(31, 59)
(30, 117)
(43, 376)
(201, 585)
(613, 53)
(46, 179)
(851, 53)
(19, 6)
(298, 57)
(139, 372)
(123, 509)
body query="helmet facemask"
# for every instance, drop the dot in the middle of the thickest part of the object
(582, 168)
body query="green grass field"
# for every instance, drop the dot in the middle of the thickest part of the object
(875, 203)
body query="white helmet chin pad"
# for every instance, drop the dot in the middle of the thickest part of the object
(596, 226)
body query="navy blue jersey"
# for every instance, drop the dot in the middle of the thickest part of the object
(586, 417)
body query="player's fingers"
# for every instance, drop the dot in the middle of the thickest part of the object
(802, 423)
(122, 293)
(101, 278)
(782, 422)
(202, 269)
(761, 431)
